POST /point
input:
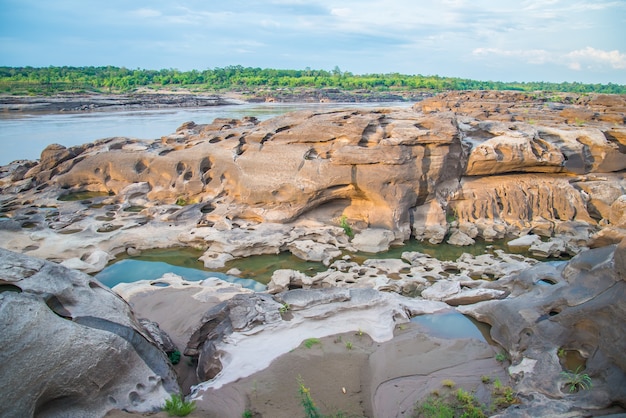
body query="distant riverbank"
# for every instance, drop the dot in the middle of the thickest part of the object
(145, 99)
(25, 133)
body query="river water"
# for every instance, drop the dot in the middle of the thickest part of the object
(24, 136)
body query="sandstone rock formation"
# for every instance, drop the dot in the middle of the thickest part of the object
(71, 347)
(483, 165)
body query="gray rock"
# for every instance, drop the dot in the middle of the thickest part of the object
(300, 299)
(373, 240)
(581, 312)
(441, 290)
(460, 239)
(71, 347)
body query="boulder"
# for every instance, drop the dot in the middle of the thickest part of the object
(460, 239)
(617, 216)
(103, 358)
(471, 296)
(441, 290)
(282, 279)
(373, 240)
(524, 242)
(310, 250)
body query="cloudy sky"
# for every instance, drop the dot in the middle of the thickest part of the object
(508, 40)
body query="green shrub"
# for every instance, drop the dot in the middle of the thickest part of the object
(448, 383)
(434, 407)
(174, 357)
(577, 380)
(310, 409)
(310, 342)
(177, 407)
(501, 357)
(343, 222)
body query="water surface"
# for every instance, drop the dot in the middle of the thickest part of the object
(24, 136)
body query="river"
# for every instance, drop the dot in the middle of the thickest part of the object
(23, 136)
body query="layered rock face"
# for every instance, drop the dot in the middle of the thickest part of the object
(464, 165)
(71, 347)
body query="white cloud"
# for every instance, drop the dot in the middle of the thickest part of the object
(341, 12)
(146, 13)
(531, 56)
(592, 58)
(588, 58)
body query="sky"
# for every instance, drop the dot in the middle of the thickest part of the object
(497, 40)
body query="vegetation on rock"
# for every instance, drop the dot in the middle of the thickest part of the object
(576, 380)
(178, 407)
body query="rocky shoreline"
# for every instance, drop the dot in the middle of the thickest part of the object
(548, 176)
(146, 99)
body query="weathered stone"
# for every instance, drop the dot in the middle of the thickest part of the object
(314, 251)
(103, 358)
(577, 312)
(617, 216)
(460, 239)
(373, 240)
(441, 290)
(524, 242)
(471, 296)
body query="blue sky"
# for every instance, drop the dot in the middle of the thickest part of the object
(529, 40)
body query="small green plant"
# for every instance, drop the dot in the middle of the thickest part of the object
(457, 404)
(343, 222)
(348, 345)
(497, 384)
(181, 201)
(485, 379)
(503, 396)
(579, 122)
(359, 333)
(310, 342)
(434, 407)
(174, 357)
(451, 216)
(501, 357)
(560, 352)
(176, 406)
(247, 414)
(310, 409)
(448, 383)
(576, 380)
(284, 308)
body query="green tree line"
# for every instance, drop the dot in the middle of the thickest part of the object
(48, 80)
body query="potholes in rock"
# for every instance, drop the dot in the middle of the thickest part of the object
(83, 196)
(571, 359)
(207, 208)
(140, 166)
(159, 284)
(57, 307)
(108, 227)
(9, 288)
(552, 312)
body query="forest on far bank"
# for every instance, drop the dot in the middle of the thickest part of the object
(51, 80)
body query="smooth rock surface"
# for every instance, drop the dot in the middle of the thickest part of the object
(71, 347)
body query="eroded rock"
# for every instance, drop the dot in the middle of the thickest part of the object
(103, 358)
